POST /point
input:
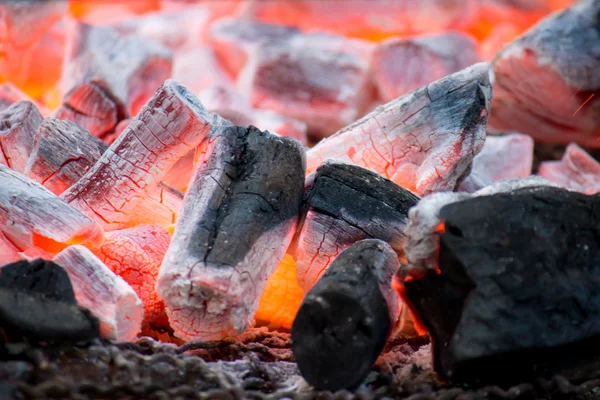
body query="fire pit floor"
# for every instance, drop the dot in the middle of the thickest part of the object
(255, 366)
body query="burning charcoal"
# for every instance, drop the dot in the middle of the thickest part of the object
(10, 94)
(237, 220)
(502, 157)
(37, 303)
(281, 297)
(18, 124)
(92, 106)
(180, 175)
(234, 39)
(172, 123)
(319, 79)
(576, 171)
(546, 83)
(401, 65)
(372, 19)
(346, 318)
(424, 220)
(31, 215)
(515, 292)
(174, 29)
(62, 154)
(133, 68)
(8, 251)
(427, 138)
(344, 204)
(102, 292)
(31, 44)
(135, 254)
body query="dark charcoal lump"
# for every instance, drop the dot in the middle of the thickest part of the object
(37, 305)
(40, 277)
(518, 291)
(343, 323)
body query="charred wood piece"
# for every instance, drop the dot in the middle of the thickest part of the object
(104, 293)
(547, 83)
(171, 124)
(515, 292)
(425, 140)
(346, 203)
(93, 106)
(62, 153)
(421, 242)
(347, 317)
(31, 215)
(238, 218)
(38, 305)
(18, 124)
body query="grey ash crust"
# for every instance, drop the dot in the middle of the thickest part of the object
(253, 367)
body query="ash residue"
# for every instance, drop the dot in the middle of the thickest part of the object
(255, 366)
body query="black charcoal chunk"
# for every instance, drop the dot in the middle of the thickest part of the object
(517, 291)
(39, 277)
(37, 305)
(344, 321)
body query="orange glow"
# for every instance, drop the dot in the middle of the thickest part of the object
(401, 290)
(440, 228)
(110, 10)
(281, 297)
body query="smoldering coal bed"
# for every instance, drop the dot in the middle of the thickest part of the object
(299, 199)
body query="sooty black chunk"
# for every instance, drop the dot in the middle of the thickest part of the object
(517, 293)
(37, 305)
(344, 321)
(39, 277)
(266, 190)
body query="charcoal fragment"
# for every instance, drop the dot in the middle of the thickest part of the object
(237, 220)
(40, 277)
(516, 286)
(37, 304)
(346, 318)
(345, 203)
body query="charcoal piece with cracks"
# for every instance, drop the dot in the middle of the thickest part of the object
(346, 318)
(238, 218)
(516, 293)
(37, 304)
(345, 203)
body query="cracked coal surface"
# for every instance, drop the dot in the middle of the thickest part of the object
(257, 365)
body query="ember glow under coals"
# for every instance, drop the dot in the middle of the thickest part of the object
(196, 167)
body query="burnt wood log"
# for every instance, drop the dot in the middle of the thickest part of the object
(516, 289)
(94, 107)
(18, 124)
(346, 318)
(62, 153)
(547, 83)
(57, 164)
(425, 140)
(31, 215)
(108, 297)
(346, 203)
(171, 124)
(37, 304)
(238, 218)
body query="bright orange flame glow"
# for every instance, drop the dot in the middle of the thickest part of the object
(281, 297)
